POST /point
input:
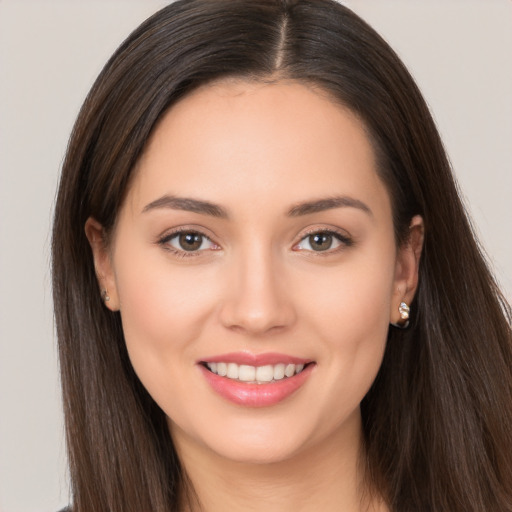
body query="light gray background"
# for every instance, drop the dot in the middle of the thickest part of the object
(50, 52)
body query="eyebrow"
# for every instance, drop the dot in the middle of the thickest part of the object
(205, 207)
(188, 204)
(329, 203)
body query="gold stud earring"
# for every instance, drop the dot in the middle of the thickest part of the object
(104, 295)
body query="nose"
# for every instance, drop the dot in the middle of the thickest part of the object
(257, 300)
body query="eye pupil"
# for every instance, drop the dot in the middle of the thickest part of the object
(320, 241)
(190, 241)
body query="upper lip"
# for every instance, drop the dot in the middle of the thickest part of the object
(250, 359)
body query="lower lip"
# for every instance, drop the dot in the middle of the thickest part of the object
(256, 395)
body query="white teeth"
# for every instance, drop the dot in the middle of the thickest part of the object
(289, 371)
(255, 374)
(265, 373)
(247, 373)
(279, 371)
(232, 371)
(222, 369)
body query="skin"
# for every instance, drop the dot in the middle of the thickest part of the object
(256, 284)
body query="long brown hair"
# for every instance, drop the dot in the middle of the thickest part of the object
(437, 420)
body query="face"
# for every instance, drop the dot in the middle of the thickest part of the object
(255, 269)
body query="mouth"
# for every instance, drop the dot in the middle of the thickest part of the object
(256, 380)
(255, 374)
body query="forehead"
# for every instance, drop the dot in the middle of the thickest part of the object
(249, 139)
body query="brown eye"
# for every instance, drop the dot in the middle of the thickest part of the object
(323, 241)
(320, 241)
(190, 241)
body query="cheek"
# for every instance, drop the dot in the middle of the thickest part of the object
(163, 309)
(354, 296)
(351, 320)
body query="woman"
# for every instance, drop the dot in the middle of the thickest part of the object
(253, 193)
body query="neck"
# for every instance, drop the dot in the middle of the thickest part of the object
(328, 476)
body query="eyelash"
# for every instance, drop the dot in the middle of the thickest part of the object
(180, 253)
(344, 240)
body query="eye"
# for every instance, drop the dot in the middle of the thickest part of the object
(188, 242)
(321, 241)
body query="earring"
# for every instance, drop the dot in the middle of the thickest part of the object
(104, 295)
(404, 311)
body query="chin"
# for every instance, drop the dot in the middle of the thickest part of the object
(269, 442)
(254, 442)
(266, 453)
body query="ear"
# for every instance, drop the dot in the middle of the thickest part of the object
(407, 268)
(102, 263)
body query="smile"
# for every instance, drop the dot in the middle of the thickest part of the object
(256, 380)
(255, 374)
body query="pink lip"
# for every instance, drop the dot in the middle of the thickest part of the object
(255, 359)
(255, 395)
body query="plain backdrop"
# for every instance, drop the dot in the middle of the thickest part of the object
(50, 52)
